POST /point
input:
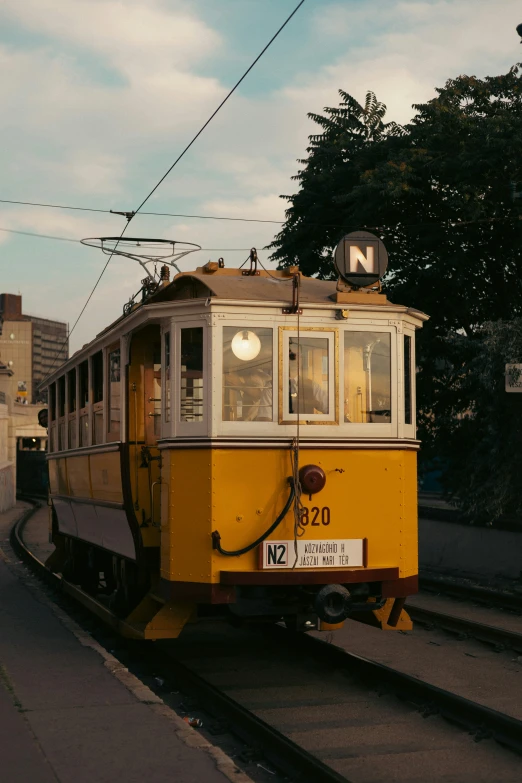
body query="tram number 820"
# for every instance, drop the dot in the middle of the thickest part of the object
(315, 516)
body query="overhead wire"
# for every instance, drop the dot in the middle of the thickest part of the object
(232, 91)
(51, 206)
(78, 241)
(154, 214)
(83, 308)
(131, 215)
(229, 218)
(39, 236)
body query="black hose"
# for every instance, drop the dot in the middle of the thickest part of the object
(216, 538)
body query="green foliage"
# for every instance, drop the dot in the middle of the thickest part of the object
(481, 437)
(331, 171)
(437, 191)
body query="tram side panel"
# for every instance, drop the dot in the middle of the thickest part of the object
(186, 553)
(87, 495)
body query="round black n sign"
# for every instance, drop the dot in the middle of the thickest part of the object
(360, 258)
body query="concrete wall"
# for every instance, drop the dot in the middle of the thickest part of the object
(16, 421)
(7, 468)
(468, 551)
(17, 353)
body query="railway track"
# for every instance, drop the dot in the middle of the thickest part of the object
(500, 638)
(311, 706)
(471, 592)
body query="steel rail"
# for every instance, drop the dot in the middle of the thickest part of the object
(281, 751)
(484, 595)
(278, 749)
(491, 634)
(478, 719)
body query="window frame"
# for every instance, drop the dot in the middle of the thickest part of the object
(98, 406)
(374, 430)
(72, 416)
(408, 430)
(167, 384)
(53, 421)
(111, 437)
(190, 428)
(239, 427)
(283, 372)
(86, 410)
(61, 404)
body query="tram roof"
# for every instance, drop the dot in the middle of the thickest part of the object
(233, 284)
(273, 286)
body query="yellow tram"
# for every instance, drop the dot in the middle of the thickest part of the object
(241, 443)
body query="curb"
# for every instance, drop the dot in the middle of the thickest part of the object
(141, 692)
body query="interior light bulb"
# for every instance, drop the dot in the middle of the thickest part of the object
(246, 345)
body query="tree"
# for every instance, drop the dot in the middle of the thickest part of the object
(482, 443)
(438, 192)
(331, 171)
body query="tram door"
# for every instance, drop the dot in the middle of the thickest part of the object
(144, 425)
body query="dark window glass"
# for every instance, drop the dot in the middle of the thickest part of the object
(52, 402)
(167, 376)
(191, 360)
(408, 414)
(61, 396)
(97, 377)
(72, 391)
(114, 391)
(84, 384)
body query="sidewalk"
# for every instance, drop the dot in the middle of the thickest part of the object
(66, 718)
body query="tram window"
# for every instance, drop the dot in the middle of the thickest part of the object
(113, 386)
(71, 375)
(61, 396)
(191, 360)
(247, 374)
(52, 417)
(308, 381)
(97, 377)
(61, 413)
(97, 397)
(84, 402)
(367, 377)
(84, 384)
(52, 402)
(84, 429)
(156, 387)
(167, 376)
(72, 391)
(407, 380)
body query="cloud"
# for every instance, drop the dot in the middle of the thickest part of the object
(135, 37)
(108, 93)
(403, 50)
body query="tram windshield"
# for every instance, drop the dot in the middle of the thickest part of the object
(367, 377)
(308, 375)
(247, 374)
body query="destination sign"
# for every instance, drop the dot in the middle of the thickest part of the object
(336, 553)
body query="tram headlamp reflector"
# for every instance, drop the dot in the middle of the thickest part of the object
(245, 345)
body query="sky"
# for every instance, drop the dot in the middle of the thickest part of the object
(99, 97)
